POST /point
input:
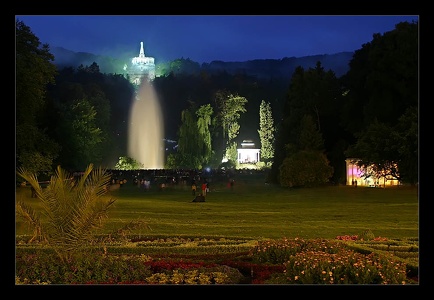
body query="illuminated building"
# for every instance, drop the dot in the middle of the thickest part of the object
(141, 67)
(356, 176)
(248, 153)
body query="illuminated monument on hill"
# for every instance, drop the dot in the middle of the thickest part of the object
(141, 67)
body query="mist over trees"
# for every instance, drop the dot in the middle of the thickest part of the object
(76, 116)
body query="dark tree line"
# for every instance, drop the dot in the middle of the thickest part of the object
(69, 117)
(35, 150)
(73, 117)
(370, 113)
(89, 116)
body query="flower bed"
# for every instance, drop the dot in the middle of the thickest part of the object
(221, 261)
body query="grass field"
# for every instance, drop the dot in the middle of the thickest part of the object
(253, 209)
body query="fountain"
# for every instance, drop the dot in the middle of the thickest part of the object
(145, 137)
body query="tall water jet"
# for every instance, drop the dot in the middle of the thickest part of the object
(145, 132)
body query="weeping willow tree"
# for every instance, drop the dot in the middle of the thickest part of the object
(188, 153)
(194, 143)
(204, 114)
(71, 208)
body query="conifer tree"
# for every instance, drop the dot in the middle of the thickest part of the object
(266, 131)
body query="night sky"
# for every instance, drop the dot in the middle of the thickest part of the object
(208, 38)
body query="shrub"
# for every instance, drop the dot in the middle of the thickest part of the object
(74, 208)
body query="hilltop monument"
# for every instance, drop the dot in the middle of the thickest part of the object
(141, 67)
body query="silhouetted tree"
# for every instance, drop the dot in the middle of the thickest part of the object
(306, 165)
(387, 151)
(383, 78)
(407, 147)
(381, 101)
(35, 150)
(314, 93)
(189, 151)
(80, 123)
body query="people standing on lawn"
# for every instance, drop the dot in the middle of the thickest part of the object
(204, 186)
(193, 188)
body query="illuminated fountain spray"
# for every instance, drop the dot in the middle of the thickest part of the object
(145, 140)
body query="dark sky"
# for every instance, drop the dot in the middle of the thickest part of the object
(207, 38)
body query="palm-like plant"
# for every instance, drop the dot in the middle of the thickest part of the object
(73, 208)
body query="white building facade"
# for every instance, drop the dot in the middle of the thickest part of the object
(248, 154)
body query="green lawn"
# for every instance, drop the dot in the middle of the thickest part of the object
(256, 210)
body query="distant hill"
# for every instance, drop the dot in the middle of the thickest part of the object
(260, 68)
(283, 68)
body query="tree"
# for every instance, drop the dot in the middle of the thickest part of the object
(189, 152)
(78, 116)
(376, 149)
(306, 164)
(80, 135)
(266, 132)
(310, 137)
(35, 150)
(171, 161)
(110, 95)
(316, 93)
(101, 104)
(386, 151)
(231, 152)
(74, 208)
(383, 78)
(230, 108)
(194, 144)
(285, 128)
(128, 163)
(306, 168)
(407, 146)
(204, 114)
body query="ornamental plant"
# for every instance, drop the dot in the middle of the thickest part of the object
(72, 208)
